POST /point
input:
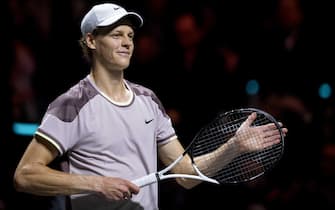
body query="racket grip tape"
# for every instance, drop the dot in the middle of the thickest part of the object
(146, 180)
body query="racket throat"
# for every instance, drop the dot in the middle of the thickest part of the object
(204, 177)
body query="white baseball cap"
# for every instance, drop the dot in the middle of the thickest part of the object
(106, 14)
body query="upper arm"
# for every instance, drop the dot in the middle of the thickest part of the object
(38, 151)
(170, 152)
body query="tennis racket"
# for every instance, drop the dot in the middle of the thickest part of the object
(230, 149)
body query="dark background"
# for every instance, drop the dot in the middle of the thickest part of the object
(198, 57)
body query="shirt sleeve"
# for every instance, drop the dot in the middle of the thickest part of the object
(61, 134)
(165, 130)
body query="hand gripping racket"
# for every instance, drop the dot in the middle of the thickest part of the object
(230, 150)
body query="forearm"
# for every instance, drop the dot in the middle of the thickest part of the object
(210, 163)
(38, 179)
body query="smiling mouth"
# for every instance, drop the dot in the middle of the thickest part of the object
(124, 54)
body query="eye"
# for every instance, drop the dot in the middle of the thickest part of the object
(131, 36)
(115, 35)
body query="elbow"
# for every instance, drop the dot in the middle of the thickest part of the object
(187, 183)
(18, 183)
(20, 180)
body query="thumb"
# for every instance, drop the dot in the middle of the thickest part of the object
(249, 120)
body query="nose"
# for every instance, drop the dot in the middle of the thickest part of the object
(127, 42)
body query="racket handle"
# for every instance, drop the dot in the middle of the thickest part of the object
(146, 180)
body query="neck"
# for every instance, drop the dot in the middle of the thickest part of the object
(112, 86)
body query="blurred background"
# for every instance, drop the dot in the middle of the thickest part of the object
(201, 58)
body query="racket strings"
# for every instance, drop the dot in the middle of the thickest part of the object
(247, 165)
(214, 136)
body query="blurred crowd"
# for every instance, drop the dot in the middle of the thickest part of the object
(198, 57)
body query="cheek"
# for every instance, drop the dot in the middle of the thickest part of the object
(131, 51)
(109, 44)
(108, 50)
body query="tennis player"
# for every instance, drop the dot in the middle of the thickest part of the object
(109, 129)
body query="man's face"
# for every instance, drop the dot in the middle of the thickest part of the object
(115, 48)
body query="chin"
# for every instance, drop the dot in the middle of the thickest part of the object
(123, 65)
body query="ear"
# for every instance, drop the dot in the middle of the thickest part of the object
(90, 41)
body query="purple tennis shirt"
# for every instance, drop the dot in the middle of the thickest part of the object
(103, 137)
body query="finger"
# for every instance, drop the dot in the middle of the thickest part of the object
(273, 127)
(269, 126)
(271, 132)
(250, 119)
(269, 144)
(133, 188)
(118, 195)
(284, 130)
(127, 195)
(272, 140)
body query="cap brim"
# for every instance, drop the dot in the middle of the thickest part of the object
(135, 19)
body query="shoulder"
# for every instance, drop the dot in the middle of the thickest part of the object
(140, 89)
(67, 106)
(147, 95)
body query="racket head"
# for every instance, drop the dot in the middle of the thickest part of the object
(246, 166)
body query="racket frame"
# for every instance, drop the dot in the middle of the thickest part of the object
(161, 175)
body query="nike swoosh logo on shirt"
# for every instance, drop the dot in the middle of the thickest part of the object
(148, 121)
